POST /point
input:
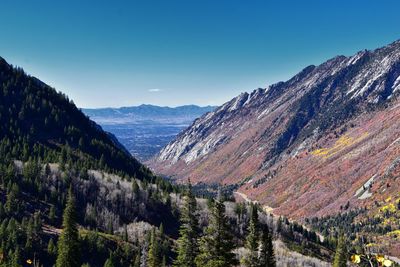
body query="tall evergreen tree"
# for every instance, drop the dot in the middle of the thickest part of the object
(68, 245)
(16, 259)
(154, 256)
(267, 255)
(52, 214)
(51, 248)
(136, 262)
(188, 232)
(252, 240)
(217, 244)
(340, 259)
(135, 189)
(110, 262)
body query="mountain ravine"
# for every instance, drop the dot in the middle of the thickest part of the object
(327, 138)
(71, 195)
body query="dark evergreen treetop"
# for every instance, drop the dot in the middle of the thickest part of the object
(189, 232)
(68, 244)
(252, 239)
(216, 246)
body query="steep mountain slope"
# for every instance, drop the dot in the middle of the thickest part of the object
(48, 147)
(40, 127)
(145, 129)
(36, 121)
(65, 181)
(304, 147)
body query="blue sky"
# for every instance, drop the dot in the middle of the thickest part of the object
(170, 52)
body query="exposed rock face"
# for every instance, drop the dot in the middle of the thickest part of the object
(304, 146)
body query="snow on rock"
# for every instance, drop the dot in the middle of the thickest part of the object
(369, 75)
(396, 84)
(363, 191)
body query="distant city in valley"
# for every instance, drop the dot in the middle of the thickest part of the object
(144, 130)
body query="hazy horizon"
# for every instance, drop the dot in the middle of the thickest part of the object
(177, 52)
(149, 104)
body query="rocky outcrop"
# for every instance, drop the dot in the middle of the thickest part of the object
(318, 136)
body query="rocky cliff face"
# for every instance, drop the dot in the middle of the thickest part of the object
(318, 136)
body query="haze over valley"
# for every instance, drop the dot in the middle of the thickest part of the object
(144, 130)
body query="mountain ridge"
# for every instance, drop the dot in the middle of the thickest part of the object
(50, 124)
(250, 140)
(52, 154)
(147, 110)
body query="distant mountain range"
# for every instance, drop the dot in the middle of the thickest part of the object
(145, 129)
(181, 114)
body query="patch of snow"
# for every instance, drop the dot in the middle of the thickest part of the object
(364, 88)
(247, 101)
(254, 95)
(396, 84)
(306, 143)
(375, 100)
(265, 111)
(395, 163)
(354, 59)
(365, 195)
(202, 149)
(238, 101)
(303, 145)
(395, 142)
(376, 70)
(363, 191)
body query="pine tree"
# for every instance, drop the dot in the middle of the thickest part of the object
(47, 170)
(340, 259)
(163, 241)
(102, 161)
(110, 262)
(279, 225)
(188, 232)
(12, 203)
(154, 256)
(63, 158)
(52, 214)
(125, 236)
(68, 245)
(135, 189)
(16, 259)
(267, 255)
(217, 244)
(136, 263)
(51, 248)
(252, 240)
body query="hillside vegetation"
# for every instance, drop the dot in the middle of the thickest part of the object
(38, 122)
(70, 195)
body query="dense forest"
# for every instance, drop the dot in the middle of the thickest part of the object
(71, 195)
(38, 122)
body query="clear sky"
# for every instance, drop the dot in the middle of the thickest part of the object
(170, 52)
